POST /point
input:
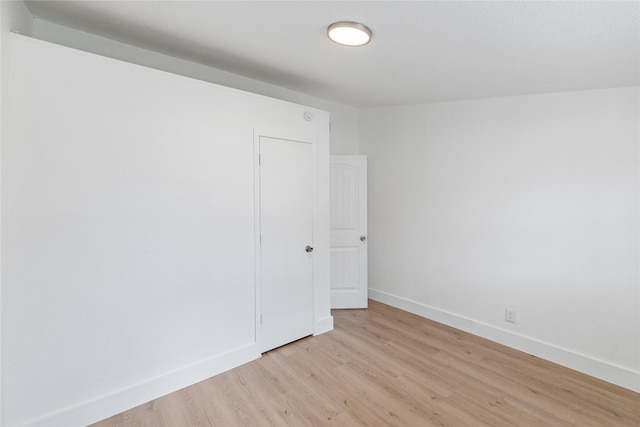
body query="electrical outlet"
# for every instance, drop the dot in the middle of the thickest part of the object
(510, 315)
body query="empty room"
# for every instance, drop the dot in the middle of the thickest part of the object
(319, 213)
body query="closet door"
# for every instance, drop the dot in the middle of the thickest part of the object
(286, 241)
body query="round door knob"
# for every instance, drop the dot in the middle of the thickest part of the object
(308, 249)
(363, 238)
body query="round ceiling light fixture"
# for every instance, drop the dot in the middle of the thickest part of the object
(349, 33)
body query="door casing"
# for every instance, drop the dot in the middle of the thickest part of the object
(264, 338)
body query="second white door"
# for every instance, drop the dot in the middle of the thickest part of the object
(286, 241)
(348, 232)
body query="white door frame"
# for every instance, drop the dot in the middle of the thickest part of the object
(257, 135)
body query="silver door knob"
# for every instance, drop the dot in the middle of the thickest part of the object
(308, 249)
(363, 238)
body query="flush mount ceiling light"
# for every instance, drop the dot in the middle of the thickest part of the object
(349, 33)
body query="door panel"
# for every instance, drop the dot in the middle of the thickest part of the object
(286, 229)
(348, 178)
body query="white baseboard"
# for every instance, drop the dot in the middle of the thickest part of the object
(323, 325)
(137, 394)
(570, 359)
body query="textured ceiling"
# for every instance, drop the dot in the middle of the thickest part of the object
(421, 51)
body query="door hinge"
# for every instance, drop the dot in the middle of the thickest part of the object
(261, 318)
(259, 159)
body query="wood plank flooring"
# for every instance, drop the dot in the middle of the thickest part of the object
(386, 367)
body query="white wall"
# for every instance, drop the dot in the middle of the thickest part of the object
(344, 119)
(529, 202)
(14, 16)
(128, 232)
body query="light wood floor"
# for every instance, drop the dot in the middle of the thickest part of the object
(386, 367)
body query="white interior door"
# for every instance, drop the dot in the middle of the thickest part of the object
(348, 231)
(286, 241)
